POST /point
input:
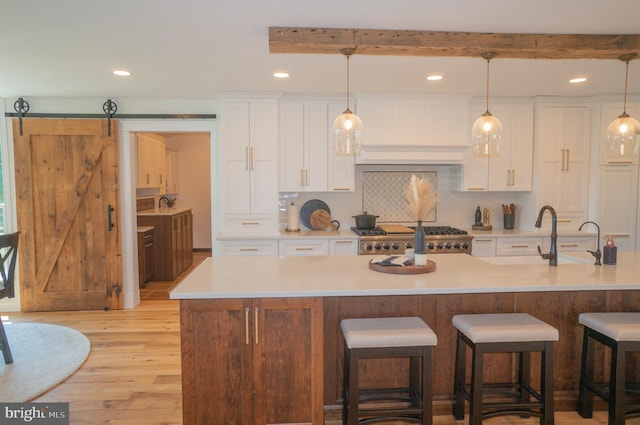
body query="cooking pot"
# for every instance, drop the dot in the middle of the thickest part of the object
(365, 221)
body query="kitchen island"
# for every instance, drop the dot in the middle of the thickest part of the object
(269, 326)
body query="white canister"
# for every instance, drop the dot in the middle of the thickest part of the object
(293, 218)
(420, 259)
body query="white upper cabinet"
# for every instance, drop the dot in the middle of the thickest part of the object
(413, 129)
(308, 162)
(173, 172)
(617, 203)
(512, 169)
(563, 140)
(249, 177)
(151, 161)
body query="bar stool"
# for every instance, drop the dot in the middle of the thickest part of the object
(503, 333)
(621, 333)
(388, 337)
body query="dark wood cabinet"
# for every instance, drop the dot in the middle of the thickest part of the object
(145, 255)
(173, 243)
(253, 361)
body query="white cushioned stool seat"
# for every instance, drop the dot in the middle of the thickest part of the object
(504, 327)
(617, 326)
(387, 332)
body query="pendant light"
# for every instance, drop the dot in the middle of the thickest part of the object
(623, 134)
(486, 134)
(347, 128)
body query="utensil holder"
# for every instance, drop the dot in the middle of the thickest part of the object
(509, 221)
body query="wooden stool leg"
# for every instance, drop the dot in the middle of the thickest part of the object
(354, 395)
(617, 386)
(345, 385)
(475, 406)
(459, 377)
(4, 345)
(427, 387)
(585, 396)
(546, 384)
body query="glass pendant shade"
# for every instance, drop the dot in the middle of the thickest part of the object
(486, 135)
(347, 128)
(623, 134)
(347, 133)
(623, 137)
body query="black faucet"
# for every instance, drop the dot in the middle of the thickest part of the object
(552, 256)
(597, 252)
(165, 199)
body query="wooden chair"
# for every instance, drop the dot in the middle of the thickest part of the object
(8, 256)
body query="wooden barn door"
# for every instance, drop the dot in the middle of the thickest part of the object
(67, 199)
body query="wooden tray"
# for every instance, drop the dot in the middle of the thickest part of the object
(430, 267)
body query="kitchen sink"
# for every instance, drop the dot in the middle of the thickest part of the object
(532, 259)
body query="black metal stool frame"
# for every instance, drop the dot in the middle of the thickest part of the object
(419, 394)
(542, 407)
(615, 392)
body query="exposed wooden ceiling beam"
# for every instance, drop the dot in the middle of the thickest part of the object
(438, 43)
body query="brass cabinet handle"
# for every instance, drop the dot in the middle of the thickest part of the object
(304, 249)
(344, 242)
(519, 246)
(562, 165)
(484, 240)
(476, 188)
(255, 312)
(564, 220)
(248, 249)
(567, 168)
(568, 245)
(250, 222)
(619, 162)
(513, 177)
(246, 325)
(341, 188)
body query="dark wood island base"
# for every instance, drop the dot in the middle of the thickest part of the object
(279, 360)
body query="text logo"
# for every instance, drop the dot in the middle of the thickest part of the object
(34, 413)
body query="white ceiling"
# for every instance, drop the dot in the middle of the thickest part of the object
(197, 48)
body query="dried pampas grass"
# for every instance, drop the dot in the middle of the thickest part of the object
(421, 199)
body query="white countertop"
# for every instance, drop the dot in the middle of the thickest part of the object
(264, 277)
(302, 234)
(163, 211)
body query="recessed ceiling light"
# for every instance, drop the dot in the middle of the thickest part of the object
(281, 74)
(578, 80)
(434, 77)
(121, 73)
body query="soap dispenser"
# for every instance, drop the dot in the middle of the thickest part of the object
(609, 252)
(478, 217)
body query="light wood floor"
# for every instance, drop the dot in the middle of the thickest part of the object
(132, 376)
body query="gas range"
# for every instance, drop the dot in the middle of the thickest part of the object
(438, 240)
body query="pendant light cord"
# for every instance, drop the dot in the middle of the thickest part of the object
(626, 80)
(488, 60)
(348, 56)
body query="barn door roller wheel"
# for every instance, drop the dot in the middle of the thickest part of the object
(21, 106)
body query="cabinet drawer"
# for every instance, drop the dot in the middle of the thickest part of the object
(518, 246)
(570, 243)
(483, 247)
(304, 247)
(343, 247)
(250, 224)
(249, 248)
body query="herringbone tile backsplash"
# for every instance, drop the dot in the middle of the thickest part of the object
(383, 194)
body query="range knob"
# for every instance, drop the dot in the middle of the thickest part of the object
(447, 245)
(464, 245)
(386, 246)
(408, 245)
(439, 245)
(430, 245)
(395, 245)
(367, 247)
(456, 245)
(377, 247)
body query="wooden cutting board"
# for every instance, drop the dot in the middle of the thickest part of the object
(321, 220)
(396, 229)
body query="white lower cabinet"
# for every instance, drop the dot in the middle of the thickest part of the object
(249, 247)
(343, 247)
(571, 243)
(518, 246)
(482, 246)
(300, 247)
